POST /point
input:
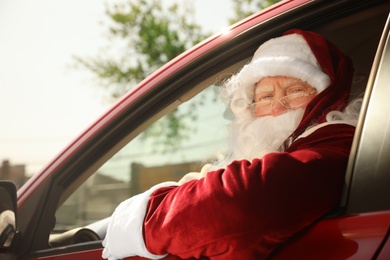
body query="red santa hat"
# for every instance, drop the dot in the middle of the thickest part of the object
(338, 67)
(300, 54)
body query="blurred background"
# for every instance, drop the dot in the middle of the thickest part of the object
(64, 62)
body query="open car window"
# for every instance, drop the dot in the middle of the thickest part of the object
(165, 151)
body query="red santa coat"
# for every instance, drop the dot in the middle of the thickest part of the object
(247, 210)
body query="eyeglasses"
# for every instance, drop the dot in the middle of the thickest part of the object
(263, 108)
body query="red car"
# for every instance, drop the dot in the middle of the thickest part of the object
(61, 212)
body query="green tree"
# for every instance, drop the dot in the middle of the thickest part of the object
(150, 34)
(138, 26)
(244, 8)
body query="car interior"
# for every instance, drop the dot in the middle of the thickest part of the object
(356, 30)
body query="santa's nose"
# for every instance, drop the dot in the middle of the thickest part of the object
(278, 108)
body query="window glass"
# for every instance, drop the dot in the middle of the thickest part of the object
(145, 162)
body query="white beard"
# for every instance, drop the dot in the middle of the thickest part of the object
(255, 138)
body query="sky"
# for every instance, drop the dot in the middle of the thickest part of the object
(44, 101)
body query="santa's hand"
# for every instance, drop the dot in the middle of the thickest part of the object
(7, 218)
(189, 177)
(205, 169)
(195, 175)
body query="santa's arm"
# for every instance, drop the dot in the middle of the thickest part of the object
(249, 206)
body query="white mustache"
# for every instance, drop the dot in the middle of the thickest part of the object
(257, 137)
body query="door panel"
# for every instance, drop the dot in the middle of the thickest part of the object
(347, 237)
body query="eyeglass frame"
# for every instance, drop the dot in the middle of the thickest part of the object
(284, 104)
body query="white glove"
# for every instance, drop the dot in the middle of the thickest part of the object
(196, 175)
(7, 217)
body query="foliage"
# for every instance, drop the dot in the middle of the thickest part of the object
(151, 33)
(245, 8)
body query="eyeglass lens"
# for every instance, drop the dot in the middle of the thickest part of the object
(290, 102)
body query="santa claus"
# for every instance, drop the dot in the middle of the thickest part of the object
(290, 141)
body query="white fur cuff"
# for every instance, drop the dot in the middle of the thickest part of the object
(124, 233)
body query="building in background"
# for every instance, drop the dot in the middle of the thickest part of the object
(14, 173)
(80, 209)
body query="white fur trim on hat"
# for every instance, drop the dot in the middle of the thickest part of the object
(291, 56)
